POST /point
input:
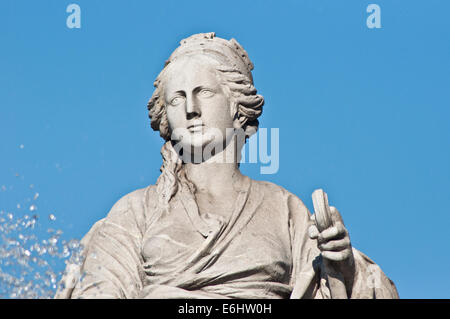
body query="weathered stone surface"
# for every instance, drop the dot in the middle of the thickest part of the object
(204, 230)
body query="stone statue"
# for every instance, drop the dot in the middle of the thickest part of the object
(205, 230)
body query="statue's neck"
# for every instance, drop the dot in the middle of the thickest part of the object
(217, 174)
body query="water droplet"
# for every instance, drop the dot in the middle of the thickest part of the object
(28, 260)
(65, 252)
(21, 146)
(73, 244)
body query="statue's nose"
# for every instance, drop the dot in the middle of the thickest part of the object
(192, 108)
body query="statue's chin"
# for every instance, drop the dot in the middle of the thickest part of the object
(199, 149)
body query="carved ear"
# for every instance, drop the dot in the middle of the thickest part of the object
(239, 120)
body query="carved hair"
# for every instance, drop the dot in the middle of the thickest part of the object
(245, 103)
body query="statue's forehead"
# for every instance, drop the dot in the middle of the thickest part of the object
(190, 71)
(191, 66)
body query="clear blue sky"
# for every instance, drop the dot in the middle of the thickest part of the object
(363, 113)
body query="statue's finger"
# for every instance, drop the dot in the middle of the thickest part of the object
(335, 232)
(335, 245)
(336, 255)
(313, 232)
(312, 220)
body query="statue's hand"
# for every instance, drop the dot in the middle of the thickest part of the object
(335, 246)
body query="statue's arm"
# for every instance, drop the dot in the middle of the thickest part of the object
(307, 278)
(112, 255)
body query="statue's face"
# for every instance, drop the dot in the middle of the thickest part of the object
(198, 109)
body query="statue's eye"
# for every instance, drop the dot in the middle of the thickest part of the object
(206, 93)
(177, 100)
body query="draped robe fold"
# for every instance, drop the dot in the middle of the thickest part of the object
(261, 251)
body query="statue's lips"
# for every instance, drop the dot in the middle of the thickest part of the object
(195, 127)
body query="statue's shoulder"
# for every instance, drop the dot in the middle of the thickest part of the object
(134, 202)
(133, 197)
(129, 212)
(272, 188)
(280, 197)
(275, 191)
